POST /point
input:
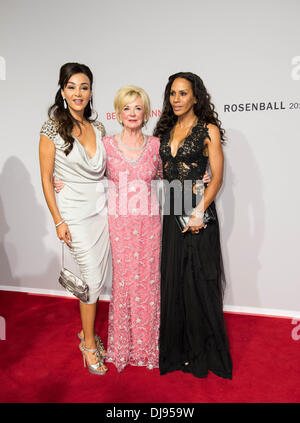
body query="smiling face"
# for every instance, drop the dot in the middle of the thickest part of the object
(77, 92)
(132, 114)
(182, 98)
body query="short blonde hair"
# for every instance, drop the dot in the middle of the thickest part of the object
(127, 95)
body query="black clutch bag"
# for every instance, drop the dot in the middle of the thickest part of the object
(208, 217)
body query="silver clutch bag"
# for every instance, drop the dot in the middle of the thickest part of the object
(73, 283)
(208, 217)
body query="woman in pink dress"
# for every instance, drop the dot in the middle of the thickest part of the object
(133, 163)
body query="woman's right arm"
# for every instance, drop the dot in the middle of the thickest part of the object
(47, 156)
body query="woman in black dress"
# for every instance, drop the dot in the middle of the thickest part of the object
(193, 335)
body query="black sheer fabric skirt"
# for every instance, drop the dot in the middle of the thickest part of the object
(193, 334)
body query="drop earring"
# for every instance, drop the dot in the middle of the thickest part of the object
(65, 104)
(91, 106)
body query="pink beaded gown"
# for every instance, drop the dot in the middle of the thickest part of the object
(135, 234)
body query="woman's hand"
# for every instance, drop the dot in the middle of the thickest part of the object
(194, 224)
(58, 184)
(63, 233)
(206, 178)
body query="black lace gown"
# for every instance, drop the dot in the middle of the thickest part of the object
(193, 334)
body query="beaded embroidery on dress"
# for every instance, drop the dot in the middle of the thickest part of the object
(135, 240)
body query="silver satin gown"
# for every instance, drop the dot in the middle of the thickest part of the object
(82, 205)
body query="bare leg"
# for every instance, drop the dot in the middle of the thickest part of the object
(88, 315)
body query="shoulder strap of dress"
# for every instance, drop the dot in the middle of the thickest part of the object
(204, 129)
(100, 127)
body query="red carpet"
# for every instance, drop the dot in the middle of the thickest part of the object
(40, 361)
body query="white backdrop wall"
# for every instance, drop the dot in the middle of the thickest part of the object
(246, 52)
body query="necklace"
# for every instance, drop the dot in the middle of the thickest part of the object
(187, 133)
(189, 127)
(133, 148)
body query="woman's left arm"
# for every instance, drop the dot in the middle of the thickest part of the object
(216, 162)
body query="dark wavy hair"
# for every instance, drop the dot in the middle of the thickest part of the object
(62, 116)
(203, 109)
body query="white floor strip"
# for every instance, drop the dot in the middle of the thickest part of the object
(227, 308)
(256, 311)
(48, 292)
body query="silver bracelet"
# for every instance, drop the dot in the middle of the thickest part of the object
(198, 214)
(59, 223)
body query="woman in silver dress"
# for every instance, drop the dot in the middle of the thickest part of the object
(71, 148)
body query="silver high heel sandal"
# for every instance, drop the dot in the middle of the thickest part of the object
(93, 368)
(99, 344)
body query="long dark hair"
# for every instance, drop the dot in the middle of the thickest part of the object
(62, 116)
(203, 109)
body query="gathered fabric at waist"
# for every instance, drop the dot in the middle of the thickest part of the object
(80, 200)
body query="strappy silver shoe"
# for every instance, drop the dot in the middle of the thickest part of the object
(99, 344)
(93, 368)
